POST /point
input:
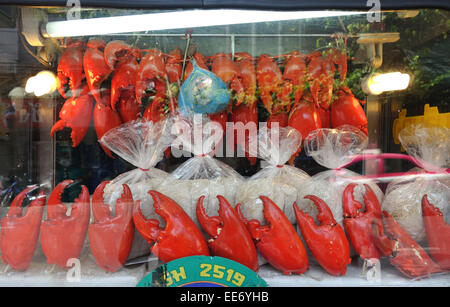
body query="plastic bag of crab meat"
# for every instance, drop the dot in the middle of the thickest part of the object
(141, 143)
(200, 175)
(280, 182)
(424, 191)
(334, 148)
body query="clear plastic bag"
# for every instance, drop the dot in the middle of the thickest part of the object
(280, 182)
(334, 148)
(201, 174)
(141, 143)
(429, 147)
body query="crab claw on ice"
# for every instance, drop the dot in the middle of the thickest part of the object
(327, 241)
(179, 238)
(229, 236)
(62, 236)
(277, 242)
(110, 237)
(20, 231)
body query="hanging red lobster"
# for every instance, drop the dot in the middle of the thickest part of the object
(62, 236)
(75, 114)
(246, 113)
(20, 231)
(274, 93)
(105, 119)
(123, 98)
(111, 237)
(70, 70)
(95, 67)
(229, 236)
(180, 237)
(404, 253)
(320, 78)
(327, 242)
(347, 110)
(277, 242)
(438, 233)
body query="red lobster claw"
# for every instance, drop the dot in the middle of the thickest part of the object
(327, 242)
(75, 114)
(347, 110)
(277, 242)
(70, 70)
(116, 51)
(438, 233)
(358, 224)
(111, 237)
(95, 67)
(180, 238)
(405, 254)
(62, 236)
(105, 119)
(20, 232)
(229, 236)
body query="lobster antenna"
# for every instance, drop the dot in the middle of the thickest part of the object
(188, 35)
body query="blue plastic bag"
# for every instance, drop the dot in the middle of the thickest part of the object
(203, 92)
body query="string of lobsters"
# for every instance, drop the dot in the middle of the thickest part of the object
(303, 91)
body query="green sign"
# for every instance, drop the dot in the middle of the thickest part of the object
(202, 271)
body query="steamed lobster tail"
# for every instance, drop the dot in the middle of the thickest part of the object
(277, 242)
(229, 236)
(404, 253)
(62, 236)
(180, 238)
(347, 110)
(438, 233)
(95, 67)
(111, 237)
(75, 114)
(20, 232)
(70, 70)
(327, 242)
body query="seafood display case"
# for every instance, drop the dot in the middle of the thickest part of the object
(305, 142)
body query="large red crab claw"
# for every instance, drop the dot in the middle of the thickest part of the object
(347, 110)
(75, 114)
(180, 237)
(277, 242)
(95, 67)
(70, 70)
(62, 236)
(438, 233)
(111, 237)
(116, 51)
(405, 254)
(229, 236)
(123, 80)
(105, 119)
(358, 223)
(327, 241)
(20, 232)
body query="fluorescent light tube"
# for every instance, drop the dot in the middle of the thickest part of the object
(176, 20)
